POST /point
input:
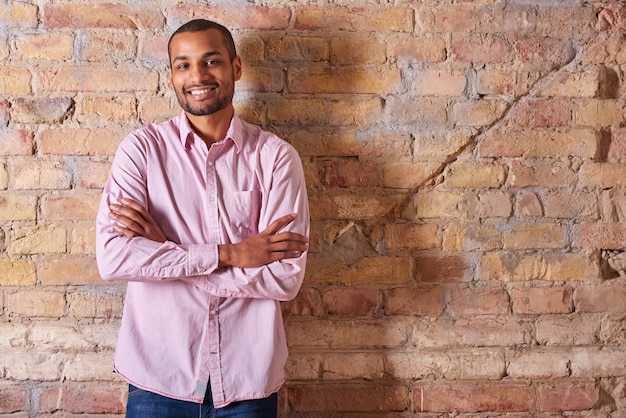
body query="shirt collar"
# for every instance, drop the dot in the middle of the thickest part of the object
(234, 133)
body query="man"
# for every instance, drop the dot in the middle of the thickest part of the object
(206, 217)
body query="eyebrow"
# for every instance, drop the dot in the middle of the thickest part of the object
(205, 55)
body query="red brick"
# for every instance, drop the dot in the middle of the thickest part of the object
(595, 235)
(351, 302)
(48, 110)
(506, 397)
(566, 331)
(538, 143)
(474, 331)
(542, 300)
(426, 301)
(541, 113)
(16, 142)
(348, 398)
(71, 206)
(568, 397)
(13, 398)
(102, 15)
(607, 297)
(88, 397)
(307, 303)
(443, 269)
(236, 16)
(483, 49)
(545, 52)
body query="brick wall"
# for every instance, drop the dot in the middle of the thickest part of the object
(466, 169)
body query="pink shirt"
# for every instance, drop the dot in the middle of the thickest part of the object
(187, 322)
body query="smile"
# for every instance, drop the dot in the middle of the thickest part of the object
(202, 91)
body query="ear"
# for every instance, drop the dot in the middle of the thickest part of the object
(237, 68)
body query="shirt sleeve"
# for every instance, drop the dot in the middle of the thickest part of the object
(280, 280)
(121, 258)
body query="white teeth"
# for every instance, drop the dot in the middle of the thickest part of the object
(198, 92)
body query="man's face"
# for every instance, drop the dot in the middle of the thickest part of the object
(201, 72)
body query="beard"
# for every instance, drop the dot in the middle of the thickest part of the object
(222, 101)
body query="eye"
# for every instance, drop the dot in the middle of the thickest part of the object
(182, 66)
(212, 63)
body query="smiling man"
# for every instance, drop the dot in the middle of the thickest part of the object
(206, 217)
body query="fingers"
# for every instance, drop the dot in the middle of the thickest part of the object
(279, 223)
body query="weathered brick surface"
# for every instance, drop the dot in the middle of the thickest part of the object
(466, 167)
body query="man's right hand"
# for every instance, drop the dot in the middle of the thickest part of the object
(265, 247)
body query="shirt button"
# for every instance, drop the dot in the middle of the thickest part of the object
(210, 163)
(213, 312)
(201, 269)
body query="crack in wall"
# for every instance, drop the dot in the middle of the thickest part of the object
(436, 177)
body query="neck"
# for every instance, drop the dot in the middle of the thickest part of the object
(212, 128)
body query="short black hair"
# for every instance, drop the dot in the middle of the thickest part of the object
(199, 25)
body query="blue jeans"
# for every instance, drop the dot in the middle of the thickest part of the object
(144, 404)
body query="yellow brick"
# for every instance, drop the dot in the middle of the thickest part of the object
(97, 110)
(393, 19)
(409, 48)
(412, 237)
(80, 141)
(97, 79)
(17, 273)
(322, 80)
(475, 175)
(4, 177)
(435, 204)
(18, 207)
(14, 81)
(439, 83)
(515, 267)
(575, 85)
(307, 111)
(376, 147)
(600, 113)
(261, 79)
(408, 176)
(478, 112)
(292, 48)
(157, 109)
(439, 145)
(83, 239)
(382, 270)
(92, 174)
(28, 173)
(356, 51)
(113, 46)
(38, 240)
(68, 271)
(355, 112)
(467, 238)
(539, 143)
(349, 205)
(95, 304)
(18, 14)
(250, 48)
(36, 303)
(533, 236)
(45, 47)
(603, 174)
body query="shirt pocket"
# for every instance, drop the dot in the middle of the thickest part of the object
(242, 208)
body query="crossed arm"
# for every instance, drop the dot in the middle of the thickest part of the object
(265, 247)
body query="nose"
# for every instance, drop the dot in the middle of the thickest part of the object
(198, 73)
